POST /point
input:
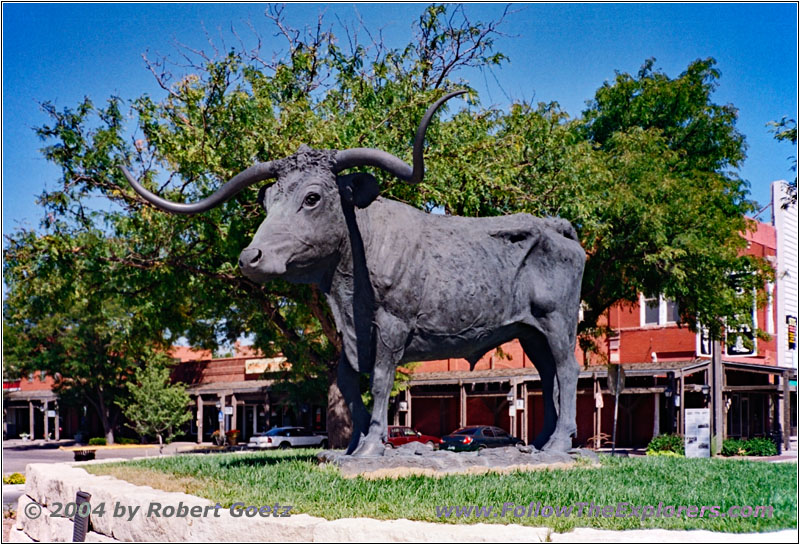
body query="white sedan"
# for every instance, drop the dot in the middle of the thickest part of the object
(288, 437)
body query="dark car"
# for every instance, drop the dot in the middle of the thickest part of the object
(477, 438)
(400, 435)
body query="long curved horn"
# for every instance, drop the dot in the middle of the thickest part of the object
(388, 162)
(254, 174)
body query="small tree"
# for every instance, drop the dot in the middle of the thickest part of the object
(155, 406)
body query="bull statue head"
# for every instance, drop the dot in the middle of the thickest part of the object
(303, 207)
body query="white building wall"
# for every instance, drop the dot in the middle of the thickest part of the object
(785, 223)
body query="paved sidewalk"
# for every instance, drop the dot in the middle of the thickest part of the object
(17, 453)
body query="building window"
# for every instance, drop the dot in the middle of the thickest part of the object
(658, 311)
(673, 316)
(30, 377)
(651, 305)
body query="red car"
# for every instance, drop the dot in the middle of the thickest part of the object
(400, 435)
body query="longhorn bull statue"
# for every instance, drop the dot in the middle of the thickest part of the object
(405, 285)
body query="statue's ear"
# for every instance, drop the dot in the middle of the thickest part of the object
(358, 189)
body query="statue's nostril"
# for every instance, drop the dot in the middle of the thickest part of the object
(250, 257)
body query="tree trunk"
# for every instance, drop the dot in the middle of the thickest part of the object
(337, 420)
(109, 422)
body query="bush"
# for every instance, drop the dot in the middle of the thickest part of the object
(734, 447)
(760, 446)
(666, 443)
(126, 441)
(97, 441)
(757, 446)
(14, 478)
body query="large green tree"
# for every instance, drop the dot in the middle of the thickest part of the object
(646, 174)
(74, 312)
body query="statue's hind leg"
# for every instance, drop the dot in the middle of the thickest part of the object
(561, 337)
(536, 348)
(552, 352)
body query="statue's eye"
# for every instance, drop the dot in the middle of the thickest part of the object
(311, 200)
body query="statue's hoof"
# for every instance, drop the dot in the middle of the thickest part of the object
(369, 450)
(556, 444)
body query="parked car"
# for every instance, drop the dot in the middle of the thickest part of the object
(477, 438)
(400, 435)
(288, 437)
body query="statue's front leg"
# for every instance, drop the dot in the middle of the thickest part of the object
(374, 442)
(382, 381)
(348, 380)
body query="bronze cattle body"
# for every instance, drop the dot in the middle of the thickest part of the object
(404, 285)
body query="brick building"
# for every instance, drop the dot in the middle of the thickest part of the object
(227, 393)
(233, 393)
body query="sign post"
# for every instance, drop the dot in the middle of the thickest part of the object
(616, 382)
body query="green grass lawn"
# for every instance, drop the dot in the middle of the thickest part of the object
(294, 478)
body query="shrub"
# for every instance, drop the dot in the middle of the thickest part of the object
(667, 453)
(14, 478)
(733, 447)
(760, 446)
(757, 446)
(127, 441)
(97, 441)
(666, 443)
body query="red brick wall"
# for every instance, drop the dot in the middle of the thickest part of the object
(25, 385)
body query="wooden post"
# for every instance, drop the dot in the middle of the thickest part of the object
(616, 413)
(595, 412)
(57, 423)
(234, 418)
(31, 422)
(222, 409)
(199, 419)
(656, 414)
(255, 419)
(717, 382)
(462, 404)
(787, 408)
(46, 405)
(524, 429)
(681, 429)
(408, 413)
(512, 408)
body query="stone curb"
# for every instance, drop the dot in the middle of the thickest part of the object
(48, 484)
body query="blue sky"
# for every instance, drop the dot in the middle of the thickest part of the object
(563, 52)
